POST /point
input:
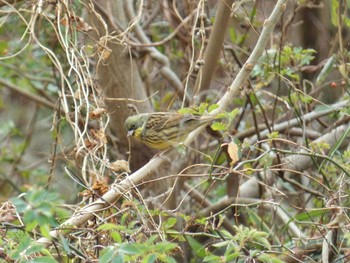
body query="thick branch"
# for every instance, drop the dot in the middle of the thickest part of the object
(216, 40)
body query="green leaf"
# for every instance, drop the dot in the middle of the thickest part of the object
(294, 98)
(233, 114)
(169, 260)
(326, 70)
(305, 98)
(232, 257)
(202, 108)
(307, 216)
(196, 247)
(65, 244)
(263, 241)
(45, 231)
(22, 246)
(132, 249)
(334, 12)
(116, 237)
(170, 222)
(124, 218)
(20, 205)
(45, 259)
(273, 135)
(109, 226)
(164, 247)
(187, 111)
(34, 248)
(212, 258)
(269, 258)
(218, 126)
(116, 259)
(213, 107)
(150, 258)
(222, 243)
(3, 47)
(30, 220)
(107, 254)
(232, 34)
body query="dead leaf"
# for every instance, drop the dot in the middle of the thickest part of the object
(86, 193)
(64, 21)
(232, 150)
(82, 25)
(99, 135)
(96, 113)
(105, 54)
(79, 23)
(100, 187)
(120, 166)
(90, 144)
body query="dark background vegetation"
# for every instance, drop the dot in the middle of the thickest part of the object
(268, 184)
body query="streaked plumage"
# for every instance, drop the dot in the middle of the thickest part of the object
(162, 130)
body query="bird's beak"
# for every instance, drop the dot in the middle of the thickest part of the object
(130, 133)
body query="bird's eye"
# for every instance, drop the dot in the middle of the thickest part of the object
(133, 127)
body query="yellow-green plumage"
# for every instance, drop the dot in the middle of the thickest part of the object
(162, 130)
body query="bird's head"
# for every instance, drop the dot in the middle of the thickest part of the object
(134, 124)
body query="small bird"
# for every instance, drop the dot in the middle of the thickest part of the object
(162, 130)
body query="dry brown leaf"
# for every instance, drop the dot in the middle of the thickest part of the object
(82, 25)
(77, 21)
(101, 187)
(120, 166)
(90, 144)
(232, 150)
(96, 113)
(64, 21)
(99, 135)
(105, 54)
(86, 193)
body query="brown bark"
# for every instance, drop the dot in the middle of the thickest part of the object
(214, 47)
(119, 77)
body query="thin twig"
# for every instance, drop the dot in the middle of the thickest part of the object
(30, 96)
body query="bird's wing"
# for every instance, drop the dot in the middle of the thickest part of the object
(158, 121)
